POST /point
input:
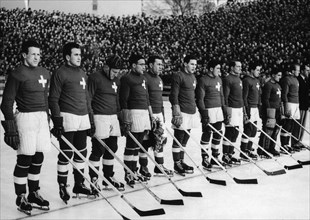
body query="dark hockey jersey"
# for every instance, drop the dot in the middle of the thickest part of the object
(232, 88)
(290, 87)
(133, 92)
(209, 92)
(68, 91)
(271, 95)
(103, 93)
(29, 87)
(155, 89)
(183, 91)
(251, 91)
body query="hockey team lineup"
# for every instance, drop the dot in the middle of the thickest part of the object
(230, 123)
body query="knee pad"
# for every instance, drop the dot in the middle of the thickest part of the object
(24, 160)
(112, 144)
(68, 153)
(235, 133)
(231, 134)
(205, 137)
(38, 158)
(185, 138)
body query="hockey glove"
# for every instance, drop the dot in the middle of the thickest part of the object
(157, 134)
(125, 122)
(227, 114)
(287, 111)
(205, 120)
(153, 122)
(177, 118)
(92, 130)
(58, 128)
(11, 136)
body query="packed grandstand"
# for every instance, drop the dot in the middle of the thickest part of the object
(267, 30)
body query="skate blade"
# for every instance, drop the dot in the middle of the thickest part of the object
(83, 196)
(189, 171)
(207, 169)
(162, 175)
(131, 185)
(27, 212)
(181, 174)
(44, 208)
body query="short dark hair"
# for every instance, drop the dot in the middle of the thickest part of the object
(114, 62)
(134, 58)
(188, 58)
(253, 65)
(66, 50)
(213, 63)
(29, 43)
(232, 63)
(275, 70)
(153, 58)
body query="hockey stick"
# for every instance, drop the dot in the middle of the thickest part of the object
(299, 161)
(218, 182)
(286, 167)
(269, 173)
(300, 125)
(192, 194)
(140, 212)
(240, 181)
(92, 184)
(292, 136)
(161, 201)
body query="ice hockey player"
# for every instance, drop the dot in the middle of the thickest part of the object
(136, 113)
(271, 114)
(156, 138)
(210, 99)
(72, 118)
(290, 100)
(103, 87)
(233, 110)
(27, 129)
(182, 99)
(251, 93)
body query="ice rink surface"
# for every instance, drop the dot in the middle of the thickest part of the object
(284, 196)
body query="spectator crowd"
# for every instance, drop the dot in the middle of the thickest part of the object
(265, 30)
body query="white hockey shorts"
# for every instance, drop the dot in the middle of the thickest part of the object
(72, 122)
(106, 126)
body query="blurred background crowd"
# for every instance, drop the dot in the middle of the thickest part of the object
(271, 31)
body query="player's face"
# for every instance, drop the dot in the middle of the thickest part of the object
(237, 68)
(114, 73)
(277, 77)
(306, 71)
(217, 70)
(190, 67)
(75, 58)
(157, 67)
(296, 71)
(256, 72)
(32, 58)
(139, 67)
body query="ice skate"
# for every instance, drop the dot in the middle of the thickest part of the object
(178, 168)
(81, 191)
(129, 180)
(296, 147)
(64, 195)
(263, 154)
(187, 169)
(37, 201)
(274, 152)
(215, 162)
(144, 171)
(287, 148)
(23, 205)
(227, 160)
(118, 185)
(234, 160)
(248, 153)
(206, 164)
(157, 171)
(94, 190)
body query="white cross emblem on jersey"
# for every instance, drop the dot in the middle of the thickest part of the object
(257, 86)
(279, 93)
(218, 86)
(161, 85)
(83, 83)
(241, 84)
(114, 86)
(42, 81)
(194, 84)
(143, 84)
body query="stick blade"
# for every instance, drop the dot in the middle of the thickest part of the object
(307, 162)
(125, 218)
(190, 194)
(149, 212)
(218, 182)
(245, 181)
(274, 173)
(297, 166)
(172, 202)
